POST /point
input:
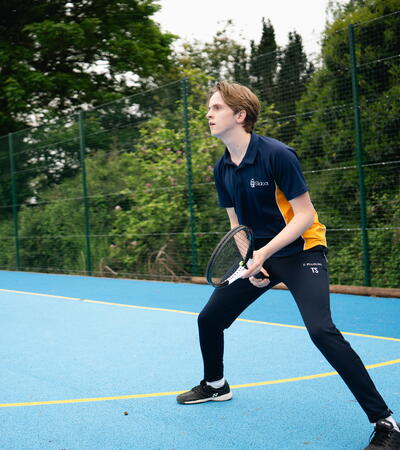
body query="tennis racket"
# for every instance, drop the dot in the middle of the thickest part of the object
(230, 257)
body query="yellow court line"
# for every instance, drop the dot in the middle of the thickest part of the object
(87, 400)
(85, 300)
(304, 328)
(123, 305)
(164, 394)
(40, 295)
(310, 377)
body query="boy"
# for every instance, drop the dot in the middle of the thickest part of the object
(260, 183)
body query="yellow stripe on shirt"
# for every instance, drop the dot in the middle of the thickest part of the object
(315, 235)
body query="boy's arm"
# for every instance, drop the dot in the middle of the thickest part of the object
(233, 218)
(303, 218)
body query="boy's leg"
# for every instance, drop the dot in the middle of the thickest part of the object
(224, 306)
(306, 276)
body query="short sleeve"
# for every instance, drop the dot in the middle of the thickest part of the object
(288, 174)
(224, 198)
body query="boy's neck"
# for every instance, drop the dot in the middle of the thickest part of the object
(237, 145)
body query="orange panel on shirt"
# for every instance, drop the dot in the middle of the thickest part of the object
(315, 235)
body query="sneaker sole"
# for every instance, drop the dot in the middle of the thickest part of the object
(220, 398)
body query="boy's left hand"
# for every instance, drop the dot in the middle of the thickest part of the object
(255, 268)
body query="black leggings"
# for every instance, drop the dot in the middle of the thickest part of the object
(306, 276)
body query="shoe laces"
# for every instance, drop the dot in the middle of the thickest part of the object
(200, 388)
(382, 436)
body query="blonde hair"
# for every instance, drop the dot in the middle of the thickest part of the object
(239, 98)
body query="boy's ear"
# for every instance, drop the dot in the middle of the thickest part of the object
(241, 115)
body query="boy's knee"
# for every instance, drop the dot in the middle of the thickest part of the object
(204, 320)
(207, 320)
(321, 334)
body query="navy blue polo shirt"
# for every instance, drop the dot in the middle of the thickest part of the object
(259, 190)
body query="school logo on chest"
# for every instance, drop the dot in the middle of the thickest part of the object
(254, 183)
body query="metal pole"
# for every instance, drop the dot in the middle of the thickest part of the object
(14, 199)
(82, 142)
(188, 152)
(359, 152)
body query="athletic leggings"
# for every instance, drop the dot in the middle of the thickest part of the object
(306, 276)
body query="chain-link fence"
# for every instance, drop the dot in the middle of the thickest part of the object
(126, 189)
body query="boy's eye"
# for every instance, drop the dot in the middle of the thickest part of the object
(215, 108)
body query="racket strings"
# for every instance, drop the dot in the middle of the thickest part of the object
(232, 253)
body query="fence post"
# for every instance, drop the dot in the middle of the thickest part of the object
(188, 152)
(14, 199)
(359, 152)
(82, 146)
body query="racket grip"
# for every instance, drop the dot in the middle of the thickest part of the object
(260, 276)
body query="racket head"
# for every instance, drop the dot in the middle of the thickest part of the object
(233, 251)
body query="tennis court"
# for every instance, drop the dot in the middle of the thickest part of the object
(79, 352)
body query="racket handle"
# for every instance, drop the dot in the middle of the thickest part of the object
(260, 276)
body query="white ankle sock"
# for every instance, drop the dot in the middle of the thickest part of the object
(393, 422)
(216, 384)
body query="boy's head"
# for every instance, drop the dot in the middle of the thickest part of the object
(239, 98)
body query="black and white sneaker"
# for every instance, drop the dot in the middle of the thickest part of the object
(384, 437)
(204, 393)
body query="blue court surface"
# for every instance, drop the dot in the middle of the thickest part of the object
(79, 352)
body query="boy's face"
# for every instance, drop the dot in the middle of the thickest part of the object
(221, 118)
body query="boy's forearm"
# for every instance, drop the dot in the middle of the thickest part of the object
(300, 223)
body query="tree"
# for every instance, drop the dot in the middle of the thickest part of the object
(264, 62)
(222, 58)
(293, 76)
(240, 69)
(56, 55)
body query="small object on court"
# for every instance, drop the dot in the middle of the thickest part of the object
(125, 413)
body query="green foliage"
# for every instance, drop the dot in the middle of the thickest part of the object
(222, 58)
(294, 73)
(7, 244)
(52, 231)
(152, 234)
(264, 62)
(57, 55)
(52, 237)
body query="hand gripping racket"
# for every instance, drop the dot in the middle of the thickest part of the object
(230, 257)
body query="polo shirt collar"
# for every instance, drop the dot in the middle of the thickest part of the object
(250, 154)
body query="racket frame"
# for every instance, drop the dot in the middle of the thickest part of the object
(242, 265)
